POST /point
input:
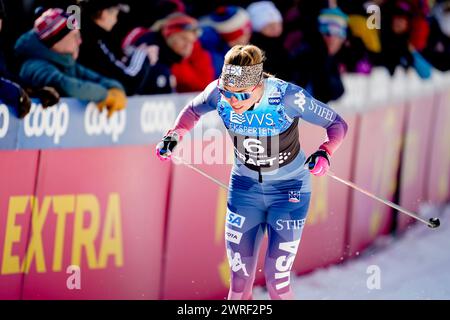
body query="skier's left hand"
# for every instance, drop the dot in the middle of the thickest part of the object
(318, 163)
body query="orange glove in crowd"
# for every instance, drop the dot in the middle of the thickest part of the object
(116, 100)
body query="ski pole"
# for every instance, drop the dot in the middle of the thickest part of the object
(200, 171)
(432, 222)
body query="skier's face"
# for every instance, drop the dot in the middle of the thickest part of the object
(240, 106)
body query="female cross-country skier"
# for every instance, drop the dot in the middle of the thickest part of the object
(270, 181)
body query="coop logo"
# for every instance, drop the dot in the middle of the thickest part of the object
(284, 263)
(96, 123)
(4, 120)
(235, 219)
(275, 98)
(157, 116)
(232, 70)
(94, 233)
(233, 236)
(53, 121)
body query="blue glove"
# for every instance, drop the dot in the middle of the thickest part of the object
(422, 66)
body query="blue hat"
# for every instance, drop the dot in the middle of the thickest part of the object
(332, 21)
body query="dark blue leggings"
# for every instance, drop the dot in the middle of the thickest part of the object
(253, 207)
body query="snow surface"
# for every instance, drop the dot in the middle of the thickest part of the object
(414, 265)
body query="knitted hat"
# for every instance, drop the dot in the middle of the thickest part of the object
(262, 13)
(93, 6)
(403, 8)
(52, 26)
(178, 22)
(231, 22)
(332, 21)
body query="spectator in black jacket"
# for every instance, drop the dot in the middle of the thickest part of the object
(173, 42)
(314, 61)
(267, 25)
(103, 54)
(437, 51)
(397, 50)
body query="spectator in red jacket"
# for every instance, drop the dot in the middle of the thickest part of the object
(195, 70)
(175, 43)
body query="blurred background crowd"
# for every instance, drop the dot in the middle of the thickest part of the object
(111, 49)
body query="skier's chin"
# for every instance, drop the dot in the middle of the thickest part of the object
(238, 110)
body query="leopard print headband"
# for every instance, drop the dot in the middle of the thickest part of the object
(241, 76)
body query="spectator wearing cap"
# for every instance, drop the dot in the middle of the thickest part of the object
(314, 63)
(174, 43)
(225, 27)
(437, 51)
(397, 50)
(267, 24)
(49, 52)
(103, 54)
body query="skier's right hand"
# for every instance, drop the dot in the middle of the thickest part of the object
(165, 148)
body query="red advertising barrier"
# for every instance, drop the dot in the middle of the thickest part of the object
(438, 164)
(323, 240)
(18, 172)
(376, 165)
(116, 223)
(415, 159)
(98, 225)
(196, 264)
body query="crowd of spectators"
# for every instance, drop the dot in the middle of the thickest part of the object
(106, 50)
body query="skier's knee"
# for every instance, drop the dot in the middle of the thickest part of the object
(240, 283)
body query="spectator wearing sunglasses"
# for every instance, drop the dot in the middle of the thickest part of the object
(270, 179)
